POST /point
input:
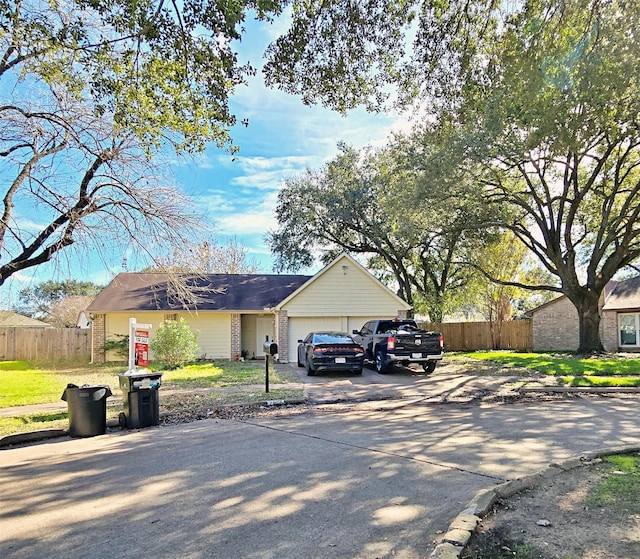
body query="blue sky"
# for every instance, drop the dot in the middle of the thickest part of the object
(239, 193)
(282, 139)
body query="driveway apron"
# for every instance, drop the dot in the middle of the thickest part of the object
(376, 480)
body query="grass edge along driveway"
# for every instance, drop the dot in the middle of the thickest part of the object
(227, 382)
(569, 369)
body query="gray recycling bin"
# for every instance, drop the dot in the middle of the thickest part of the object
(140, 399)
(87, 407)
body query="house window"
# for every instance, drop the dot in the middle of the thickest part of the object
(171, 316)
(628, 328)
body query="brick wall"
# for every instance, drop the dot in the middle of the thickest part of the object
(282, 335)
(555, 327)
(98, 337)
(609, 330)
(236, 338)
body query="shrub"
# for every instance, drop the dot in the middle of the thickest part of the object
(119, 345)
(174, 343)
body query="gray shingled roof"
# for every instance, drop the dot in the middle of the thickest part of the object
(217, 292)
(624, 296)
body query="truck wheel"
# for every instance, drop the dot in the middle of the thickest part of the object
(429, 367)
(380, 366)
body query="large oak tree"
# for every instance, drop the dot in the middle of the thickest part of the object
(542, 100)
(90, 91)
(415, 233)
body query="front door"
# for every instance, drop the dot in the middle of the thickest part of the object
(264, 329)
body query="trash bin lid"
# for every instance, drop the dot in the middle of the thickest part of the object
(141, 374)
(95, 392)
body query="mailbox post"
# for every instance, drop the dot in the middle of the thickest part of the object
(270, 349)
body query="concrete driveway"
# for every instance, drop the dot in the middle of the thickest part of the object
(370, 480)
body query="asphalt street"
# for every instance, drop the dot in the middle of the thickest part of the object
(369, 480)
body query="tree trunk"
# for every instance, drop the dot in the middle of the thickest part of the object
(589, 321)
(436, 308)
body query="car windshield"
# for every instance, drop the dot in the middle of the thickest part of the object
(331, 338)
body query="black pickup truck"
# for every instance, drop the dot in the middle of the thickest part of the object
(401, 341)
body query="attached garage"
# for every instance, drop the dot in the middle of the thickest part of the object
(342, 296)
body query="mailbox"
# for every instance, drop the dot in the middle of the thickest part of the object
(270, 348)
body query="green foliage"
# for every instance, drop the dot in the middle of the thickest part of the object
(37, 301)
(554, 136)
(159, 70)
(119, 345)
(343, 54)
(415, 234)
(535, 102)
(90, 93)
(174, 343)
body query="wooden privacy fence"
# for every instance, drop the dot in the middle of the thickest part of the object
(45, 344)
(472, 336)
(74, 344)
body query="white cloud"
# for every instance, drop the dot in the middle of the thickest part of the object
(246, 223)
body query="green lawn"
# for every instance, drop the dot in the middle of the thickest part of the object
(571, 370)
(26, 383)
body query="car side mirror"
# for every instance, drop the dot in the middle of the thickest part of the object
(355, 331)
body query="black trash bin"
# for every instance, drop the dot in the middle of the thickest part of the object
(87, 407)
(140, 399)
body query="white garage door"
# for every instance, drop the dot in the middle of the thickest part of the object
(299, 327)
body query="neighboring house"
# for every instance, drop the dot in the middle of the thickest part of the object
(10, 319)
(84, 320)
(241, 311)
(555, 324)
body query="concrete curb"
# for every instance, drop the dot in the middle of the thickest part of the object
(583, 389)
(36, 436)
(465, 524)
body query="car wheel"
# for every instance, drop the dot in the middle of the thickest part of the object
(429, 367)
(299, 363)
(310, 371)
(380, 366)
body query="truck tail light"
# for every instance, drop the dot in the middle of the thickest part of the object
(391, 342)
(441, 340)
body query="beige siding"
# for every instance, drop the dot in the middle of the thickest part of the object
(248, 335)
(343, 292)
(214, 337)
(118, 323)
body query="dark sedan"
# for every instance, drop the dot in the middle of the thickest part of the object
(330, 351)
